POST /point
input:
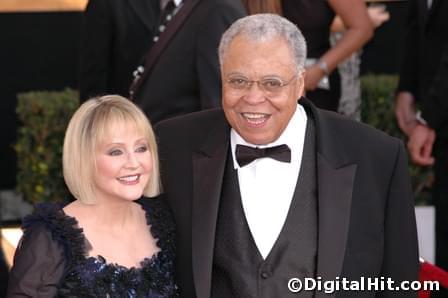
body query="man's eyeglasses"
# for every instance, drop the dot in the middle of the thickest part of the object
(270, 86)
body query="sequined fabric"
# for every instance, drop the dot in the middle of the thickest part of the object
(95, 277)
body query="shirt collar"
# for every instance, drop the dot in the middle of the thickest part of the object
(289, 135)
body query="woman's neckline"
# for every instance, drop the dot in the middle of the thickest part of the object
(101, 259)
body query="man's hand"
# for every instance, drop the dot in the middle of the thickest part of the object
(420, 145)
(405, 112)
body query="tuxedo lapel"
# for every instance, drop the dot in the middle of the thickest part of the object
(146, 12)
(208, 171)
(335, 187)
(335, 178)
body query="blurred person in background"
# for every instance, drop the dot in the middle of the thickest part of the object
(314, 19)
(350, 96)
(350, 102)
(421, 104)
(180, 73)
(115, 36)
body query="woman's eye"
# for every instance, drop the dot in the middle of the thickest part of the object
(115, 152)
(142, 149)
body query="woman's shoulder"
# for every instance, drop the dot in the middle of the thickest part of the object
(46, 215)
(39, 260)
(63, 229)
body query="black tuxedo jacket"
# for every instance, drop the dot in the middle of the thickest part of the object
(185, 77)
(116, 34)
(424, 71)
(366, 224)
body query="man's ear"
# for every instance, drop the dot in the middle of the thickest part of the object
(300, 85)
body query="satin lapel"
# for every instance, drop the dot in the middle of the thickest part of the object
(335, 177)
(145, 12)
(335, 188)
(208, 172)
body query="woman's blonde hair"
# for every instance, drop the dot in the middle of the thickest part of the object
(87, 129)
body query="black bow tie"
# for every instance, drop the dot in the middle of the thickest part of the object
(245, 154)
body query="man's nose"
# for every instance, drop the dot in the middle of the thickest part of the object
(255, 94)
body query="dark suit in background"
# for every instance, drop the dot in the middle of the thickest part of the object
(424, 70)
(185, 77)
(424, 81)
(116, 35)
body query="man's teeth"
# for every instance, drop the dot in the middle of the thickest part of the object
(129, 178)
(254, 116)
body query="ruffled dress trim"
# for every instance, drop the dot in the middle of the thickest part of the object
(94, 277)
(64, 229)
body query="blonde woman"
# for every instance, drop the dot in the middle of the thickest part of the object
(111, 241)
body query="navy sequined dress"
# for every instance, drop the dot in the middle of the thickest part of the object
(52, 259)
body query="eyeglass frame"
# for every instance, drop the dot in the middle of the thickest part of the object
(249, 83)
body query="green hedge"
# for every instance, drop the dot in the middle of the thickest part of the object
(44, 117)
(377, 110)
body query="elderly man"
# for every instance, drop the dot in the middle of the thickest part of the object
(269, 188)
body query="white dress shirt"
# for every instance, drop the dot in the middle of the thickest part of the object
(267, 185)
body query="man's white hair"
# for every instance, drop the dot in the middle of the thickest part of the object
(265, 27)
